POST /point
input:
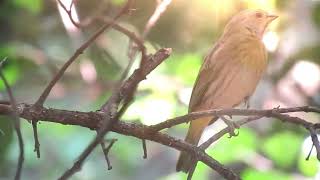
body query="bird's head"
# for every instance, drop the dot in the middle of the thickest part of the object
(254, 20)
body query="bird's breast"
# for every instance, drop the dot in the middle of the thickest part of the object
(253, 54)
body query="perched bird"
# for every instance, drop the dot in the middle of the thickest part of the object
(229, 73)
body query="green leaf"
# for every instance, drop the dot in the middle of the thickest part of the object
(252, 174)
(11, 72)
(33, 6)
(282, 148)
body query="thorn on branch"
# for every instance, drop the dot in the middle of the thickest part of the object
(36, 139)
(232, 126)
(315, 141)
(106, 151)
(144, 146)
(309, 154)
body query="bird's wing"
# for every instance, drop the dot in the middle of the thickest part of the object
(227, 76)
(208, 72)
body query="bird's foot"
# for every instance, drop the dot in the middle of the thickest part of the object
(232, 126)
(247, 102)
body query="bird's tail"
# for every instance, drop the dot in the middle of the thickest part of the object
(194, 134)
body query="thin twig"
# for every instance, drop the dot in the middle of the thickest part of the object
(221, 133)
(106, 151)
(160, 9)
(36, 138)
(16, 122)
(193, 165)
(78, 52)
(309, 154)
(138, 41)
(315, 141)
(144, 147)
(110, 108)
(231, 112)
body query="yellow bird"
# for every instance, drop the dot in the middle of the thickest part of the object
(229, 73)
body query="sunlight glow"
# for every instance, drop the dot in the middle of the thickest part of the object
(184, 95)
(156, 111)
(271, 40)
(261, 4)
(307, 75)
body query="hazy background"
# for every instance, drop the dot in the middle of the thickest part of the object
(37, 42)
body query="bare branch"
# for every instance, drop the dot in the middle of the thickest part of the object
(110, 108)
(144, 147)
(16, 122)
(315, 141)
(231, 112)
(194, 162)
(78, 52)
(224, 131)
(160, 9)
(36, 138)
(106, 151)
(92, 120)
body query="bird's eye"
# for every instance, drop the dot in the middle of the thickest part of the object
(259, 15)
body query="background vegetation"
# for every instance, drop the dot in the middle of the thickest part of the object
(37, 42)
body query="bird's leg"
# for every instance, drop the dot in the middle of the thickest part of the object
(247, 102)
(232, 126)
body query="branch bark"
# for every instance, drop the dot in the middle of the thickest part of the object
(92, 120)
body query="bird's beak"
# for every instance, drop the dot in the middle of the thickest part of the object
(272, 17)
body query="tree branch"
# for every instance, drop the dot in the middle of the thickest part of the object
(110, 109)
(16, 122)
(92, 120)
(78, 52)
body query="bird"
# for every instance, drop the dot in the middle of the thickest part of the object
(229, 74)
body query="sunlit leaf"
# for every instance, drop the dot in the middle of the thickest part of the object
(11, 73)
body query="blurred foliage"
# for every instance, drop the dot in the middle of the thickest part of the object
(310, 167)
(5, 140)
(186, 67)
(283, 148)
(252, 174)
(316, 15)
(33, 6)
(36, 43)
(240, 147)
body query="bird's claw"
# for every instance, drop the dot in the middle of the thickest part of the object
(232, 126)
(276, 108)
